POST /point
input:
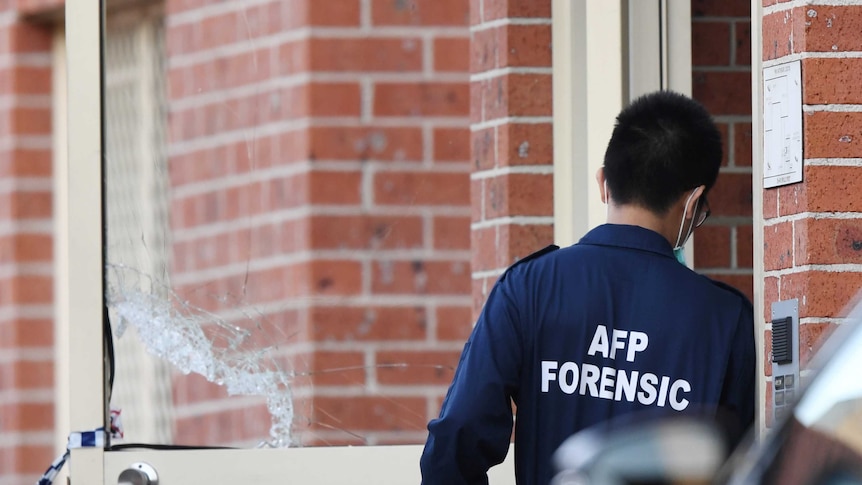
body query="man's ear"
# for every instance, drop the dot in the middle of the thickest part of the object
(694, 204)
(600, 179)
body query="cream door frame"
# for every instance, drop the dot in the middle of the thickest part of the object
(757, 204)
(606, 53)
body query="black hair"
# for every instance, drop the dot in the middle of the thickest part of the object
(663, 145)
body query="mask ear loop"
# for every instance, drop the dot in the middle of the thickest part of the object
(682, 223)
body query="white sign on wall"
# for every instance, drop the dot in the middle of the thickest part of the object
(782, 124)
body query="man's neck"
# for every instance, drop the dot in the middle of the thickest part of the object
(637, 216)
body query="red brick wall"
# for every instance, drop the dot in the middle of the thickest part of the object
(721, 79)
(511, 113)
(812, 229)
(326, 149)
(26, 273)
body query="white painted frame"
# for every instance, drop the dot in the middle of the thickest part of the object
(757, 203)
(80, 303)
(592, 84)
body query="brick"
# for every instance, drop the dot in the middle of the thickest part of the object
(484, 152)
(292, 58)
(516, 95)
(28, 38)
(451, 144)
(454, 323)
(712, 247)
(723, 93)
(31, 80)
(731, 195)
(26, 333)
(783, 33)
(770, 295)
(744, 247)
(817, 194)
(360, 324)
(821, 293)
(743, 44)
(519, 195)
(452, 13)
(416, 367)
(421, 277)
(26, 248)
(778, 246)
(28, 289)
(452, 54)
(365, 143)
(742, 145)
(332, 368)
(368, 54)
(520, 240)
(27, 416)
(477, 200)
(830, 81)
(30, 121)
(720, 8)
(526, 46)
(333, 13)
(499, 9)
(424, 99)
(341, 278)
(475, 12)
(361, 413)
(366, 232)
(421, 188)
(710, 43)
(525, 144)
(485, 46)
(452, 233)
(483, 241)
(833, 28)
(25, 162)
(811, 338)
(334, 188)
(828, 241)
(25, 459)
(742, 282)
(770, 203)
(334, 99)
(26, 375)
(477, 101)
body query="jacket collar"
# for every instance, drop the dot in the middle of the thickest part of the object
(631, 237)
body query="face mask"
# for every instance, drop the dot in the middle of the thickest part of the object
(680, 241)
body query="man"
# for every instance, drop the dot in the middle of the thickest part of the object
(611, 326)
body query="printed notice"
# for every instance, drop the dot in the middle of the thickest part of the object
(782, 125)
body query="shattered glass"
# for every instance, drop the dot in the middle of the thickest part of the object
(256, 302)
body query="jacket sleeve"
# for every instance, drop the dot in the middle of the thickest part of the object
(738, 393)
(474, 428)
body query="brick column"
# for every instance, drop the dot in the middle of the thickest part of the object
(512, 178)
(26, 272)
(324, 147)
(812, 230)
(721, 79)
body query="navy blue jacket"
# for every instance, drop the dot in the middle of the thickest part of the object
(608, 327)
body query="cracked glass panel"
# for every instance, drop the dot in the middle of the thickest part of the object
(288, 219)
